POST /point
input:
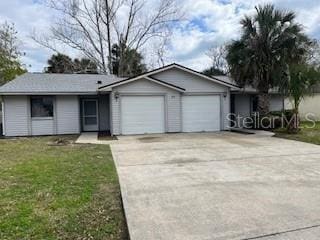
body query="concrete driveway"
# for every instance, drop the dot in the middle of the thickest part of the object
(219, 186)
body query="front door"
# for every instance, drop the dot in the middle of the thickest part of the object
(90, 115)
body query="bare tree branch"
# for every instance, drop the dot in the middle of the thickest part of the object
(94, 26)
(217, 54)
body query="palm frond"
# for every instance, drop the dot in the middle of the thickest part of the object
(271, 40)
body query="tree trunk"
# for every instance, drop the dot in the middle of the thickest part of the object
(109, 38)
(263, 103)
(293, 126)
(122, 59)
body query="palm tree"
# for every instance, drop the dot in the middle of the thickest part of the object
(270, 41)
(213, 71)
(126, 62)
(59, 63)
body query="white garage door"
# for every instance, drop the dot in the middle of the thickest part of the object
(201, 113)
(142, 114)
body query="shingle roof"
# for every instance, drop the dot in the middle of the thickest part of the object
(246, 89)
(227, 79)
(57, 83)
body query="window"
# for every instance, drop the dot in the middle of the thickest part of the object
(42, 106)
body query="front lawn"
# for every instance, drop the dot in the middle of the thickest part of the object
(57, 190)
(306, 134)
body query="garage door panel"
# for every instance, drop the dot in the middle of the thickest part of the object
(201, 113)
(142, 114)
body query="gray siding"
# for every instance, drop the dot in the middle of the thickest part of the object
(67, 114)
(115, 114)
(195, 84)
(174, 112)
(104, 119)
(145, 87)
(190, 82)
(242, 105)
(42, 127)
(242, 108)
(226, 110)
(16, 116)
(276, 103)
(65, 121)
(18, 121)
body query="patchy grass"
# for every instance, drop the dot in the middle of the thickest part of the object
(53, 189)
(306, 134)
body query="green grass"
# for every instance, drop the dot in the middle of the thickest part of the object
(306, 134)
(58, 192)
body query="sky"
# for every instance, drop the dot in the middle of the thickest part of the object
(208, 23)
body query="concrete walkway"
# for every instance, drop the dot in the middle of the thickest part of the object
(222, 186)
(91, 138)
(88, 137)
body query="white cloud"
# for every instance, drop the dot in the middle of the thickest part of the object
(220, 24)
(28, 15)
(209, 22)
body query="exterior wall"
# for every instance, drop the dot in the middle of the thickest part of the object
(195, 84)
(226, 110)
(67, 114)
(174, 113)
(104, 119)
(1, 107)
(145, 87)
(115, 114)
(276, 103)
(192, 84)
(16, 116)
(45, 126)
(18, 121)
(189, 81)
(242, 105)
(309, 105)
(1, 117)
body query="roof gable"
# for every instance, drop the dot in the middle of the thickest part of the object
(166, 68)
(201, 75)
(149, 78)
(190, 82)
